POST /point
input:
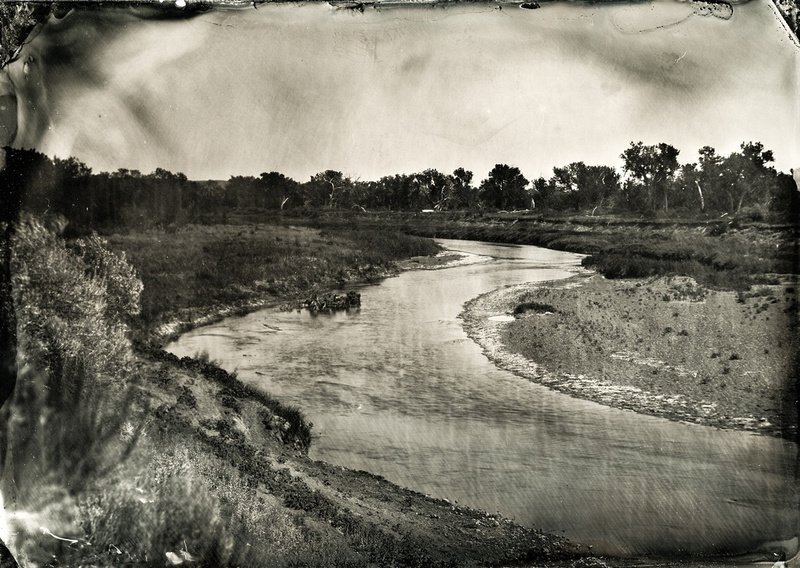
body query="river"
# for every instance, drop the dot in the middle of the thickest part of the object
(398, 389)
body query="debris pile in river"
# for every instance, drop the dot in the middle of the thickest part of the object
(332, 302)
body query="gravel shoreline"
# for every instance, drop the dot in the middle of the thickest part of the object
(534, 346)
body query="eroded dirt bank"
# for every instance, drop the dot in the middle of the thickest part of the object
(665, 347)
(362, 518)
(233, 435)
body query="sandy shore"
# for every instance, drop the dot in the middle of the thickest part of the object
(664, 347)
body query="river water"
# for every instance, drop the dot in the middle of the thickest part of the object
(399, 390)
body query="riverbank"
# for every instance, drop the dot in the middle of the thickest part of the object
(173, 324)
(199, 274)
(326, 515)
(219, 477)
(661, 346)
(242, 454)
(732, 291)
(718, 253)
(397, 526)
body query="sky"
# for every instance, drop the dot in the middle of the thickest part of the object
(304, 88)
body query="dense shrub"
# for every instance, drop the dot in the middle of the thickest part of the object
(75, 412)
(73, 393)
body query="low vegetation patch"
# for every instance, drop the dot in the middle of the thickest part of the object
(738, 258)
(327, 303)
(298, 430)
(198, 266)
(733, 360)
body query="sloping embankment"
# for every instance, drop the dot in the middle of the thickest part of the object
(369, 519)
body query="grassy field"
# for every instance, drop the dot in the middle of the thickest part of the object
(718, 254)
(199, 264)
(202, 266)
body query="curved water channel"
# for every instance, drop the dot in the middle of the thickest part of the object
(399, 390)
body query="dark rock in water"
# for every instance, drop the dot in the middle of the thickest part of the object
(332, 302)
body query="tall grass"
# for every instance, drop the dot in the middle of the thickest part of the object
(91, 426)
(731, 262)
(227, 264)
(181, 506)
(381, 246)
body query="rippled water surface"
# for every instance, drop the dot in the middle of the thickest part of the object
(398, 389)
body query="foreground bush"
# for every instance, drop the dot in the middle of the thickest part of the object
(74, 386)
(71, 417)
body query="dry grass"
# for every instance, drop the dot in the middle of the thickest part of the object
(670, 336)
(719, 255)
(201, 265)
(183, 503)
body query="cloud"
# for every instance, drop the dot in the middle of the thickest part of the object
(302, 89)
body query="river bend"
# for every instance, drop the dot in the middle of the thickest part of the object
(398, 389)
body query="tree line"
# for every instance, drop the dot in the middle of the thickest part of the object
(652, 182)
